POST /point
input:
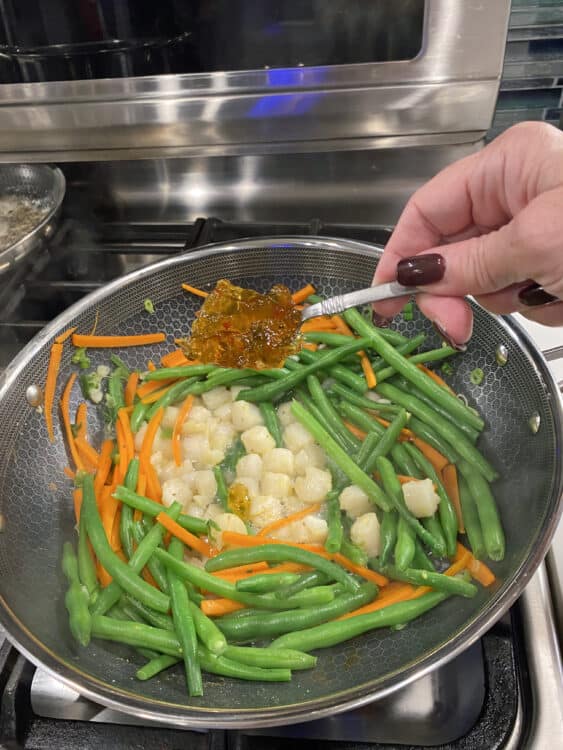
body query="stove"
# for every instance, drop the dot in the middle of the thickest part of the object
(505, 691)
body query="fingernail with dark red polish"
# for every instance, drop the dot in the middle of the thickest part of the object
(447, 338)
(421, 269)
(534, 295)
(379, 320)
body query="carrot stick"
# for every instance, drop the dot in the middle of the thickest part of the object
(148, 576)
(191, 540)
(77, 498)
(96, 320)
(194, 290)
(435, 377)
(370, 376)
(276, 525)
(318, 324)
(251, 568)
(131, 388)
(405, 434)
(437, 460)
(85, 450)
(104, 466)
(147, 468)
(401, 593)
(310, 346)
(61, 338)
(145, 389)
(51, 385)
(153, 397)
(283, 568)
(81, 420)
(341, 326)
(174, 359)
(177, 432)
(123, 419)
(360, 434)
(69, 472)
(122, 451)
(369, 575)
(479, 571)
(141, 484)
(65, 410)
(218, 607)
(301, 294)
(449, 477)
(113, 342)
(403, 479)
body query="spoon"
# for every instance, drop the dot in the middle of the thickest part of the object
(341, 302)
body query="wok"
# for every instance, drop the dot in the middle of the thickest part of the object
(37, 515)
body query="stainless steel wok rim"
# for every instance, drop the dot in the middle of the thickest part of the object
(58, 194)
(237, 718)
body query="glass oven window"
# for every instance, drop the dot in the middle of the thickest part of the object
(61, 40)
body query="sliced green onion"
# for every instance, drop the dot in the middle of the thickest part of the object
(148, 304)
(447, 368)
(477, 376)
(408, 311)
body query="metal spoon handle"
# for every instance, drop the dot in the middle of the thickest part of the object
(341, 302)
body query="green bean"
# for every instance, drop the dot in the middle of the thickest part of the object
(278, 553)
(394, 337)
(207, 582)
(208, 633)
(262, 583)
(305, 399)
(175, 373)
(404, 462)
(446, 511)
(176, 393)
(351, 443)
(493, 534)
(437, 581)
(126, 615)
(411, 372)
(333, 633)
(338, 372)
(471, 519)
(126, 520)
(330, 339)
(434, 355)
(334, 519)
(222, 491)
(471, 433)
(184, 623)
(388, 534)
(140, 530)
(306, 580)
(86, 566)
(230, 668)
(446, 429)
(353, 552)
(123, 574)
(421, 559)
(280, 658)
(138, 415)
(117, 362)
(378, 364)
(270, 624)
(115, 390)
(151, 508)
(366, 449)
(270, 417)
(340, 457)
(405, 545)
(363, 401)
(230, 376)
(422, 430)
(388, 440)
(155, 666)
(136, 634)
(76, 598)
(148, 615)
(359, 417)
(273, 391)
(433, 526)
(112, 593)
(232, 456)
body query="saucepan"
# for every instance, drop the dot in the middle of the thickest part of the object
(519, 400)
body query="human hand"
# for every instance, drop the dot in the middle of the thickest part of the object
(489, 225)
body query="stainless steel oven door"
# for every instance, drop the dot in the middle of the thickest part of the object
(447, 90)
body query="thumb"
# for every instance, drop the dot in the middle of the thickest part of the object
(528, 247)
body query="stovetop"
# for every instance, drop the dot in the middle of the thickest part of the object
(505, 691)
